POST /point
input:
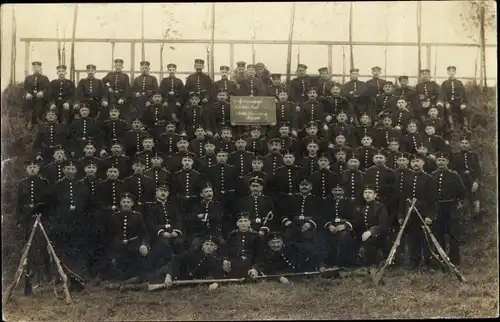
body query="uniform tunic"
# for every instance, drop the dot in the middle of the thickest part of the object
(259, 207)
(141, 186)
(244, 252)
(252, 86)
(353, 181)
(211, 221)
(173, 92)
(466, 163)
(428, 89)
(62, 91)
(119, 83)
(32, 85)
(297, 89)
(272, 161)
(242, 161)
(199, 83)
(92, 91)
(49, 136)
(113, 130)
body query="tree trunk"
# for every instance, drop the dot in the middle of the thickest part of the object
(212, 44)
(351, 49)
(143, 50)
(59, 59)
(112, 55)
(75, 20)
(435, 61)
(419, 36)
(161, 61)
(290, 37)
(13, 49)
(343, 65)
(482, 39)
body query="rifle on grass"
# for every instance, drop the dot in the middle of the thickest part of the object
(440, 250)
(395, 246)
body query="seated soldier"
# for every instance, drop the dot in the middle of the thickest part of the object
(203, 262)
(256, 144)
(365, 153)
(274, 159)
(310, 161)
(243, 248)
(365, 129)
(257, 166)
(225, 139)
(167, 141)
(50, 136)
(117, 159)
(370, 226)
(386, 132)
(197, 144)
(433, 141)
(209, 158)
(127, 238)
(440, 125)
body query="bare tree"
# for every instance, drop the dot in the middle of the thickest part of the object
(75, 21)
(58, 43)
(351, 49)
(212, 44)
(168, 21)
(419, 36)
(143, 49)
(13, 49)
(386, 14)
(290, 38)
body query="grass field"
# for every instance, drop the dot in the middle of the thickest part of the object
(404, 294)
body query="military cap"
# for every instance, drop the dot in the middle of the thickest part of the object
(158, 155)
(63, 67)
(260, 65)
(285, 123)
(376, 68)
(379, 152)
(417, 157)
(170, 122)
(301, 66)
(243, 215)
(353, 156)
(425, 71)
(313, 123)
(31, 162)
(114, 107)
(221, 90)
(405, 155)
(403, 77)
(127, 195)
(275, 76)
(465, 136)
(389, 83)
(429, 124)
(386, 115)
(203, 186)
(224, 67)
(323, 69)
(339, 150)
(368, 136)
(338, 186)
(36, 63)
(118, 61)
(257, 158)
(371, 187)
(145, 63)
(312, 88)
(256, 180)
(273, 235)
(70, 163)
(413, 121)
(199, 126)
(305, 179)
(451, 67)
(89, 161)
(241, 137)
(311, 141)
(90, 141)
(147, 137)
(90, 66)
(83, 106)
(139, 160)
(250, 66)
(199, 61)
(211, 239)
(164, 185)
(59, 147)
(221, 150)
(194, 94)
(189, 155)
(116, 142)
(171, 65)
(443, 155)
(275, 140)
(393, 139)
(354, 70)
(365, 113)
(207, 142)
(282, 89)
(241, 64)
(255, 127)
(288, 151)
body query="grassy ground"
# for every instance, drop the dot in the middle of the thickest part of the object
(404, 295)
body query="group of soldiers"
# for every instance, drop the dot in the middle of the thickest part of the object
(146, 177)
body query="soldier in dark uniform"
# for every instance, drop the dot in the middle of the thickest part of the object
(185, 181)
(199, 83)
(155, 115)
(311, 131)
(223, 178)
(287, 141)
(118, 85)
(402, 116)
(173, 92)
(62, 91)
(323, 180)
(276, 86)
(259, 207)
(263, 74)
(251, 85)
(430, 163)
(202, 262)
(285, 113)
(167, 141)
(353, 180)
(451, 196)
(197, 145)
(49, 136)
(148, 150)
(466, 163)
(224, 139)
(89, 155)
(356, 93)
(365, 129)
(117, 159)
(274, 159)
(340, 143)
(157, 172)
(31, 196)
(133, 138)
(256, 144)
(386, 132)
(174, 162)
(335, 104)
(239, 73)
(142, 186)
(370, 225)
(412, 139)
(324, 84)
(165, 228)
(428, 88)
(81, 130)
(285, 183)
(128, 242)
(297, 89)
(257, 171)
(392, 152)
(143, 88)
(454, 97)
(406, 92)
(225, 84)
(434, 142)
(114, 128)
(340, 161)
(345, 128)
(220, 111)
(205, 217)
(375, 85)
(421, 186)
(109, 192)
(241, 159)
(92, 91)
(312, 110)
(193, 115)
(337, 245)
(387, 100)
(36, 93)
(244, 248)
(365, 153)
(309, 162)
(208, 159)
(440, 125)
(53, 171)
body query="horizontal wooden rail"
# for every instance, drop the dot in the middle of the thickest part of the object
(250, 42)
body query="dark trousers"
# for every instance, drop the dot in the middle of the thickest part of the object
(240, 267)
(337, 249)
(123, 262)
(371, 248)
(447, 225)
(64, 115)
(417, 245)
(458, 114)
(37, 108)
(38, 261)
(160, 255)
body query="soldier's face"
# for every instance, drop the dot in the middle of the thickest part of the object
(89, 150)
(198, 66)
(426, 103)
(275, 146)
(226, 134)
(288, 159)
(366, 141)
(342, 117)
(61, 73)
(393, 146)
(224, 73)
(209, 247)
(243, 224)
(379, 159)
(114, 114)
(222, 96)
(433, 112)
(442, 162)
(354, 76)
(255, 134)
(209, 148)
(452, 73)
(116, 149)
(429, 130)
(207, 193)
(240, 69)
(255, 188)
(37, 69)
(422, 150)
(126, 204)
(276, 81)
(69, 171)
(32, 169)
(375, 72)
(136, 125)
(324, 75)
(84, 111)
(171, 71)
(403, 82)
(145, 70)
(340, 156)
(259, 71)
(112, 173)
(365, 119)
(425, 76)
(162, 194)
(312, 148)
(323, 163)
(305, 187)
(156, 162)
(335, 91)
(369, 195)
(170, 128)
(241, 144)
(250, 71)
(90, 169)
(157, 98)
(221, 157)
(387, 121)
(338, 192)
(59, 155)
(187, 163)
(312, 95)
(283, 96)
(195, 100)
(312, 130)
(464, 144)
(90, 72)
(353, 163)
(301, 72)
(388, 88)
(118, 67)
(199, 133)
(417, 164)
(148, 144)
(412, 127)
(257, 165)
(402, 163)
(340, 140)
(51, 117)
(275, 244)
(401, 104)
(284, 130)
(138, 167)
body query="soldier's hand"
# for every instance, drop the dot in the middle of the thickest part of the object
(284, 280)
(294, 133)
(253, 273)
(66, 106)
(103, 153)
(462, 106)
(428, 221)
(213, 286)
(171, 93)
(216, 135)
(39, 94)
(325, 127)
(400, 221)
(137, 94)
(39, 158)
(209, 133)
(52, 107)
(165, 104)
(120, 101)
(331, 146)
(76, 106)
(261, 233)
(439, 103)
(332, 229)
(29, 96)
(322, 269)
(110, 90)
(173, 234)
(447, 105)
(447, 142)
(306, 226)
(397, 127)
(340, 228)
(72, 208)
(432, 156)
(183, 134)
(168, 280)
(475, 186)
(288, 223)
(166, 234)
(148, 104)
(297, 109)
(460, 205)
(200, 216)
(226, 266)
(366, 235)
(204, 100)
(328, 118)
(143, 250)
(174, 117)
(177, 103)
(104, 104)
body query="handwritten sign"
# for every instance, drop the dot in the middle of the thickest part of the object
(253, 110)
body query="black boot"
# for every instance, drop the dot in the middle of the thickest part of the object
(28, 287)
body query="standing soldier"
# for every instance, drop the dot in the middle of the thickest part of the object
(92, 91)
(263, 74)
(118, 85)
(157, 172)
(193, 115)
(312, 110)
(353, 180)
(251, 85)
(54, 170)
(36, 93)
(143, 89)
(199, 83)
(386, 132)
(257, 171)
(276, 86)
(454, 97)
(297, 89)
(428, 88)
(172, 92)
(225, 84)
(223, 140)
(223, 179)
(109, 192)
(185, 181)
(412, 139)
(466, 163)
(155, 116)
(256, 144)
(356, 92)
(118, 159)
(49, 136)
(451, 195)
(365, 152)
(167, 141)
(220, 113)
(324, 84)
(406, 92)
(62, 92)
(197, 145)
(285, 113)
(140, 185)
(239, 73)
(375, 85)
(274, 159)
(286, 182)
(241, 159)
(323, 180)
(387, 100)
(133, 138)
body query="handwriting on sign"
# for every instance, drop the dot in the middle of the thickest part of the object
(249, 110)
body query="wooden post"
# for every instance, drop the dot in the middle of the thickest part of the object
(435, 59)
(231, 56)
(429, 57)
(419, 37)
(290, 37)
(112, 54)
(13, 50)
(77, 77)
(75, 20)
(132, 60)
(26, 58)
(482, 38)
(212, 45)
(330, 59)
(143, 50)
(343, 65)
(351, 9)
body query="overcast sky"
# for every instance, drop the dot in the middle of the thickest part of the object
(373, 21)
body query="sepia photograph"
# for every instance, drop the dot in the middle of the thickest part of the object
(249, 161)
